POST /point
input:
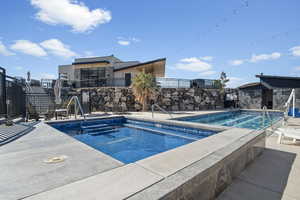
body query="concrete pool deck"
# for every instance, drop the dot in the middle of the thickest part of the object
(90, 174)
(274, 175)
(24, 172)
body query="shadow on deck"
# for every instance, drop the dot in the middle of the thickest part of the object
(272, 176)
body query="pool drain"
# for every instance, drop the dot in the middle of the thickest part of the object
(56, 159)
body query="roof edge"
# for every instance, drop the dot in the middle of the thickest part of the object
(249, 85)
(143, 63)
(278, 77)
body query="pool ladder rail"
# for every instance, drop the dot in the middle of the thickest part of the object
(161, 109)
(266, 114)
(77, 107)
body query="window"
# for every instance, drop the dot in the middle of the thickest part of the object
(93, 77)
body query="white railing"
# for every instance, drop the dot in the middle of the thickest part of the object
(77, 106)
(160, 108)
(288, 103)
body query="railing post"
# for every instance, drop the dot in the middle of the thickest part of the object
(152, 108)
(4, 91)
(294, 101)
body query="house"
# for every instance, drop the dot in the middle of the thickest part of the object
(270, 91)
(108, 71)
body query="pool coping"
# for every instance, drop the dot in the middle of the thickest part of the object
(163, 167)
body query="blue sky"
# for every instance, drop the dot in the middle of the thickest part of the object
(199, 38)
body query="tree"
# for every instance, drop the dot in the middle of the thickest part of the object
(221, 83)
(143, 86)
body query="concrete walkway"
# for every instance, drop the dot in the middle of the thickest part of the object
(274, 175)
(24, 171)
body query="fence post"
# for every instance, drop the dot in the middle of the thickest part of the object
(3, 85)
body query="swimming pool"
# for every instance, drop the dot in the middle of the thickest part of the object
(239, 119)
(131, 140)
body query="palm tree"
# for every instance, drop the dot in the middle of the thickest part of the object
(143, 86)
(221, 83)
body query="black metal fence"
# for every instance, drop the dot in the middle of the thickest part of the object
(40, 103)
(2, 93)
(12, 97)
(15, 100)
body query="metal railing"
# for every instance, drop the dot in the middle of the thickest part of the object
(161, 109)
(266, 114)
(12, 97)
(288, 103)
(77, 107)
(98, 82)
(3, 106)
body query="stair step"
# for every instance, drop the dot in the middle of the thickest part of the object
(104, 132)
(95, 126)
(153, 130)
(249, 121)
(237, 120)
(98, 129)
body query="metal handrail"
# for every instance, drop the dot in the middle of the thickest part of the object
(288, 103)
(76, 102)
(160, 108)
(266, 113)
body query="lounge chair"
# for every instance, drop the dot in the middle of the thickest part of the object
(31, 113)
(288, 132)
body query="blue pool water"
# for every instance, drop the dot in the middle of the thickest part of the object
(240, 119)
(131, 140)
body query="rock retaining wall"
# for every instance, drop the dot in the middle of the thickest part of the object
(171, 99)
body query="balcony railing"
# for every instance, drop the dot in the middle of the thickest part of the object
(161, 82)
(186, 83)
(102, 82)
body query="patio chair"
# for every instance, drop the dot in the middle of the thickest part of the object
(289, 133)
(50, 113)
(31, 113)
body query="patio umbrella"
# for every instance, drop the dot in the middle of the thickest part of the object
(57, 91)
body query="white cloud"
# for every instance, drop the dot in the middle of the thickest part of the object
(207, 58)
(235, 82)
(208, 73)
(295, 51)
(4, 51)
(56, 47)
(28, 47)
(261, 57)
(190, 60)
(127, 41)
(135, 39)
(124, 42)
(236, 62)
(193, 64)
(256, 58)
(70, 12)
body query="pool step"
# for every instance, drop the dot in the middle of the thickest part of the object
(238, 120)
(90, 130)
(249, 121)
(152, 129)
(103, 132)
(94, 126)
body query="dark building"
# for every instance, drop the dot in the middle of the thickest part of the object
(271, 91)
